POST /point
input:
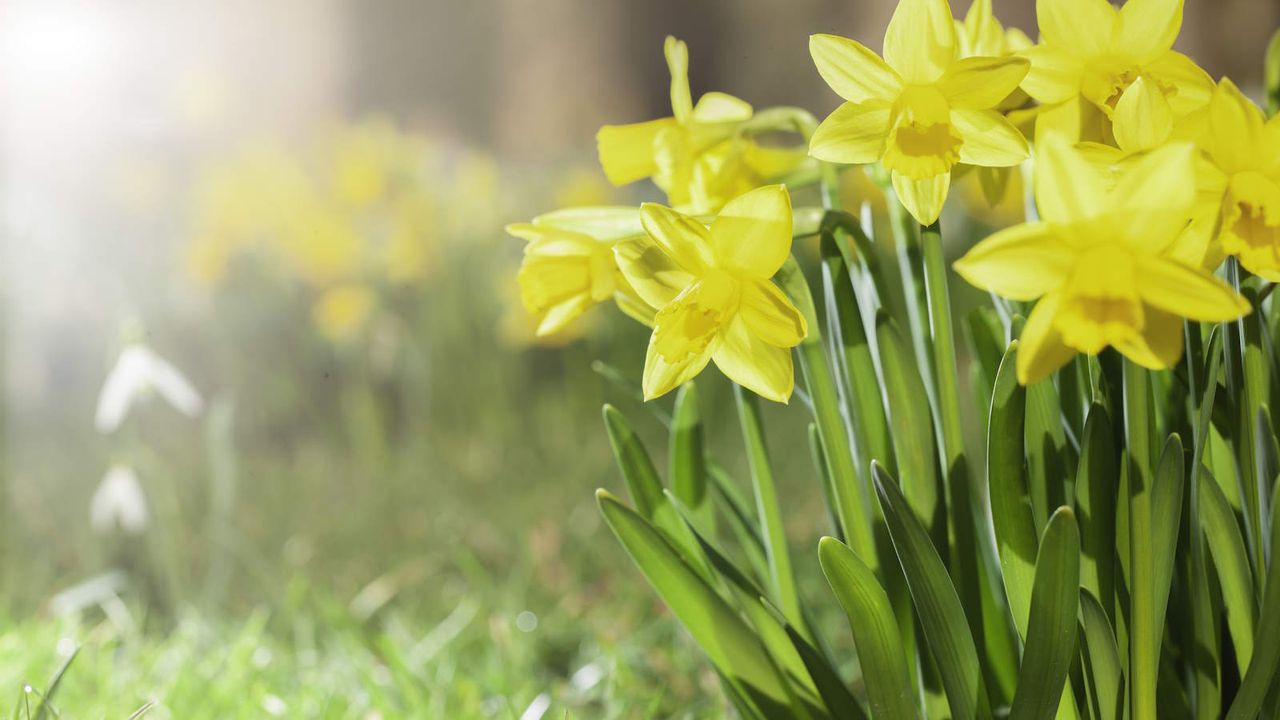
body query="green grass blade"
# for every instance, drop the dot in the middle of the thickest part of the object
(1231, 560)
(1097, 482)
(910, 420)
(890, 692)
(1103, 671)
(1052, 628)
(1011, 515)
(1263, 670)
(1166, 520)
(688, 454)
(946, 630)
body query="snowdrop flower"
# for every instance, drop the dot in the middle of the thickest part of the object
(137, 372)
(119, 502)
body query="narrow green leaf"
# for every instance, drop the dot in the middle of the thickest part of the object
(1231, 560)
(1015, 530)
(1142, 629)
(1265, 666)
(1166, 520)
(911, 423)
(1097, 482)
(1051, 630)
(741, 522)
(1048, 467)
(1104, 673)
(890, 692)
(946, 631)
(641, 478)
(688, 458)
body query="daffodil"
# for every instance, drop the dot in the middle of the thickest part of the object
(921, 110)
(1098, 265)
(1243, 155)
(569, 264)
(715, 298)
(698, 156)
(1090, 53)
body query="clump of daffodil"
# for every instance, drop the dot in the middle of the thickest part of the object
(1242, 152)
(569, 265)
(1098, 262)
(699, 157)
(715, 298)
(1090, 53)
(922, 109)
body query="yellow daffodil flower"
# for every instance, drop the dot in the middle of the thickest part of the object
(1090, 53)
(714, 295)
(697, 157)
(1098, 262)
(569, 264)
(1242, 151)
(921, 110)
(342, 310)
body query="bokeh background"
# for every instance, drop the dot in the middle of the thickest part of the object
(384, 507)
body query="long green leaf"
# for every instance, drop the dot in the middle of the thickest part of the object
(1231, 560)
(1265, 667)
(1097, 482)
(909, 417)
(875, 632)
(688, 454)
(1166, 520)
(1051, 630)
(1104, 673)
(1143, 631)
(946, 630)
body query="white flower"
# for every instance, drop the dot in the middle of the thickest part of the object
(119, 502)
(138, 372)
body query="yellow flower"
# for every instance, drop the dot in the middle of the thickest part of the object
(921, 110)
(569, 264)
(1090, 53)
(1098, 262)
(714, 296)
(698, 157)
(343, 310)
(1243, 155)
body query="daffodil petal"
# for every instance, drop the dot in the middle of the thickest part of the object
(853, 134)
(989, 140)
(1067, 187)
(1021, 263)
(656, 278)
(627, 151)
(1155, 195)
(1083, 27)
(1193, 86)
(600, 222)
(662, 376)
(560, 315)
(771, 316)
(1159, 345)
(1186, 291)
(920, 43)
(1055, 74)
(1143, 118)
(752, 234)
(1040, 347)
(1149, 27)
(717, 107)
(922, 198)
(1235, 128)
(748, 360)
(981, 83)
(684, 239)
(856, 73)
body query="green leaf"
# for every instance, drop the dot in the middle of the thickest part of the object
(1048, 471)
(1051, 630)
(1103, 671)
(728, 641)
(1144, 634)
(1011, 515)
(1166, 520)
(688, 458)
(911, 423)
(890, 692)
(1097, 482)
(1272, 79)
(1262, 674)
(946, 631)
(1231, 560)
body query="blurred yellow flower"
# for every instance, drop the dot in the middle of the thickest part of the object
(341, 311)
(921, 110)
(714, 293)
(1098, 262)
(698, 157)
(1090, 53)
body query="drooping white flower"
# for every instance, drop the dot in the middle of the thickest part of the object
(138, 372)
(119, 502)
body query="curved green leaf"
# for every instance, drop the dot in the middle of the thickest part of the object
(1264, 668)
(1051, 629)
(1231, 560)
(911, 423)
(688, 459)
(1166, 520)
(1097, 482)
(1103, 671)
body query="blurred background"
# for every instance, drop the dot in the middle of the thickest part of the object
(379, 504)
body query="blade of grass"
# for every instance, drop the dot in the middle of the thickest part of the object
(1103, 671)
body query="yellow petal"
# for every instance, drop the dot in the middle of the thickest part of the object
(989, 140)
(922, 198)
(982, 83)
(1156, 195)
(627, 151)
(632, 305)
(1192, 86)
(558, 316)
(981, 34)
(1251, 223)
(603, 222)
(685, 333)
(1082, 27)
(920, 42)
(852, 134)
(752, 234)
(1068, 188)
(1149, 27)
(1159, 344)
(771, 316)
(1187, 292)
(656, 278)
(856, 73)
(1055, 75)
(1021, 263)
(753, 363)
(684, 239)
(1040, 348)
(1143, 118)
(678, 64)
(1235, 129)
(717, 107)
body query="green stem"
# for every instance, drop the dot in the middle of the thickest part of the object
(775, 538)
(944, 345)
(1273, 75)
(1142, 613)
(910, 258)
